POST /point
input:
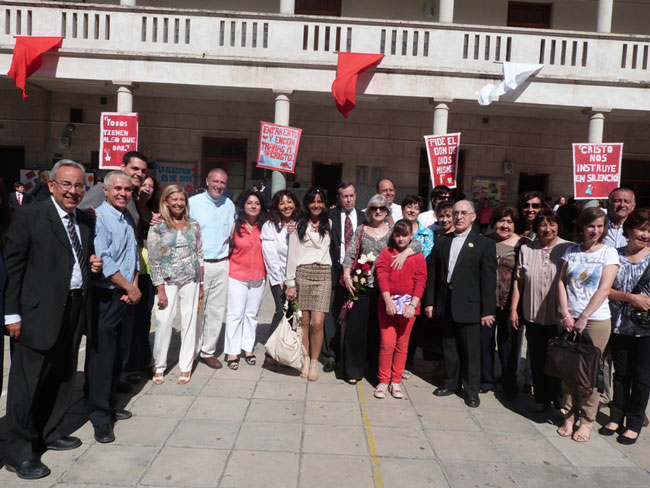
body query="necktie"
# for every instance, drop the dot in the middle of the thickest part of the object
(347, 230)
(76, 246)
(20, 198)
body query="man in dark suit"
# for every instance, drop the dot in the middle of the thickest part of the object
(49, 258)
(41, 190)
(461, 294)
(18, 197)
(345, 219)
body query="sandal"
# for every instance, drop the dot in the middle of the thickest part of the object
(158, 378)
(582, 435)
(233, 364)
(250, 360)
(352, 381)
(184, 378)
(565, 431)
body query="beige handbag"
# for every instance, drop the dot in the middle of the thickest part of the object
(285, 344)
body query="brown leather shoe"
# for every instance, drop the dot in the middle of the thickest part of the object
(212, 362)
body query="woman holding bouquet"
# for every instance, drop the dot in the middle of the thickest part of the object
(401, 291)
(359, 326)
(309, 275)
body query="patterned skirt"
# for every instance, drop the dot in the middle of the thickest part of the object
(314, 285)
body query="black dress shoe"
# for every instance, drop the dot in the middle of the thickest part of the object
(121, 414)
(485, 389)
(32, 469)
(443, 392)
(472, 401)
(64, 443)
(104, 433)
(626, 441)
(609, 432)
(329, 366)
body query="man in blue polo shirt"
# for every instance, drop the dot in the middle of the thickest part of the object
(215, 214)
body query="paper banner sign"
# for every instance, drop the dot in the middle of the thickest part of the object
(278, 147)
(443, 158)
(184, 174)
(596, 169)
(118, 135)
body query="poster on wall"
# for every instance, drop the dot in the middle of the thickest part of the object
(278, 147)
(442, 151)
(495, 190)
(28, 177)
(596, 169)
(118, 134)
(184, 174)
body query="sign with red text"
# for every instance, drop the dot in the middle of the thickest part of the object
(596, 169)
(443, 158)
(118, 135)
(278, 147)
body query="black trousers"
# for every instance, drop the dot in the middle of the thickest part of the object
(461, 348)
(631, 357)
(548, 389)
(140, 354)
(332, 341)
(40, 387)
(278, 298)
(107, 353)
(360, 339)
(503, 337)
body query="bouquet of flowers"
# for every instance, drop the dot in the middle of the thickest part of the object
(361, 271)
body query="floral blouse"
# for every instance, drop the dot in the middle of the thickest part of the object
(425, 238)
(175, 255)
(627, 277)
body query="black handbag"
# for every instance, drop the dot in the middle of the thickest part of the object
(641, 318)
(574, 359)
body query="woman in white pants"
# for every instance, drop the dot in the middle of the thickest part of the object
(176, 263)
(247, 274)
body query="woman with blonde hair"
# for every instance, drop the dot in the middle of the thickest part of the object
(176, 264)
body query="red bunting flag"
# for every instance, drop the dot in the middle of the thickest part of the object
(28, 57)
(349, 66)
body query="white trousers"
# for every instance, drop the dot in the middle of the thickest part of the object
(213, 309)
(187, 297)
(244, 301)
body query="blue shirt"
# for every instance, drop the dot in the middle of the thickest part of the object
(115, 243)
(425, 236)
(215, 218)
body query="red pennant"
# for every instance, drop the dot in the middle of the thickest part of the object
(349, 66)
(28, 57)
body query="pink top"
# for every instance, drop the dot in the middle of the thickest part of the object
(410, 280)
(247, 261)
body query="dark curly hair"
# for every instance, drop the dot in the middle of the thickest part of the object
(324, 219)
(274, 211)
(240, 213)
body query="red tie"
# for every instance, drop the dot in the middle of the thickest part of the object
(347, 231)
(20, 198)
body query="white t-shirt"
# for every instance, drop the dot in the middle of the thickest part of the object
(584, 271)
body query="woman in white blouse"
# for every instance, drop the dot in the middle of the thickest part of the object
(283, 213)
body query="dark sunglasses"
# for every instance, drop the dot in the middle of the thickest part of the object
(374, 209)
(536, 206)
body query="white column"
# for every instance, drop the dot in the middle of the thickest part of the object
(282, 109)
(596, 126)
(446, 11)
(124, 99)
(440, 117)
(128, 3)
(287, 6)
(605, 9)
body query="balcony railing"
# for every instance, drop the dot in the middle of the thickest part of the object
(269, 39)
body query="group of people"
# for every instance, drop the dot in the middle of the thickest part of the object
(103, 263)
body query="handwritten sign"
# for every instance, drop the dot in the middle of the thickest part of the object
(596, 169)
(118, 135)
(278, 147)
(443, 158)
(184, 174)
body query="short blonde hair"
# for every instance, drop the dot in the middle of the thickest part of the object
(164, 210)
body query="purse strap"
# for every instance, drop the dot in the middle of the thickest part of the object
(643, 281)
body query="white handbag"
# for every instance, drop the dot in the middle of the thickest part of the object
(285, 344)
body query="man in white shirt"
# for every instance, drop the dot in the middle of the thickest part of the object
(386, 187)
(620, 203)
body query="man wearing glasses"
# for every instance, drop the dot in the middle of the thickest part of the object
(49, 259)
(461, 293)
(439, 194)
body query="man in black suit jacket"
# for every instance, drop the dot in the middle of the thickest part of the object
(49, 258)
(18, 197)
(345, 214)
(461, 294)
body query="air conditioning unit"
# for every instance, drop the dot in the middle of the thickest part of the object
(508, 168)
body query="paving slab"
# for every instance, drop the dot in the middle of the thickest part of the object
(101, 462)
(529, 449)
(269, 436)
(328, 470)
(229, 388)
(334, 439)
(595, 453)
(168, 406)
(332, 413)
(458, 419)
(216, 408)
(258, 468)
(399, 473)
(332, 392)
(209, 434)
(271, 390)
(470, 446)
(390, 412)
(184, 467)
(478, 474)
(276, 410)
(402, 443)
(542, 476)
(144, 431)
(617, 477)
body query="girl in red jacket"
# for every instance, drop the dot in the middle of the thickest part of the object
(401, 291)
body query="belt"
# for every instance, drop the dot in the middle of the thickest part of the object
(77, 292)
(215, 260)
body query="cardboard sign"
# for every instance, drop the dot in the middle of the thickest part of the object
(118, 134)
(596, 169)
(443, 158)
(184, 174)
(278, 147)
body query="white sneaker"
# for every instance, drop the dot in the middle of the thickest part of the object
(396, 390)
(382, 389)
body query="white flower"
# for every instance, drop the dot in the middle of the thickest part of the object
(370, 257)
(362, 281)
(363, 259)
(357, 271)
(355, 278)
(298, 314)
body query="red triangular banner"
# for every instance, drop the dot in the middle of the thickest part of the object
(28, 57)
(349, 66)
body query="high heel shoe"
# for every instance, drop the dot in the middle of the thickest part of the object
(313, 370)
(304, 372)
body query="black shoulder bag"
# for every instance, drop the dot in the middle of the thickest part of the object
(641, 318)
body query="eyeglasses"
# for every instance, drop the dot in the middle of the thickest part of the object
(462, 213)
(536, 206)
(377, 209)
(67, 186)
(442, 197)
